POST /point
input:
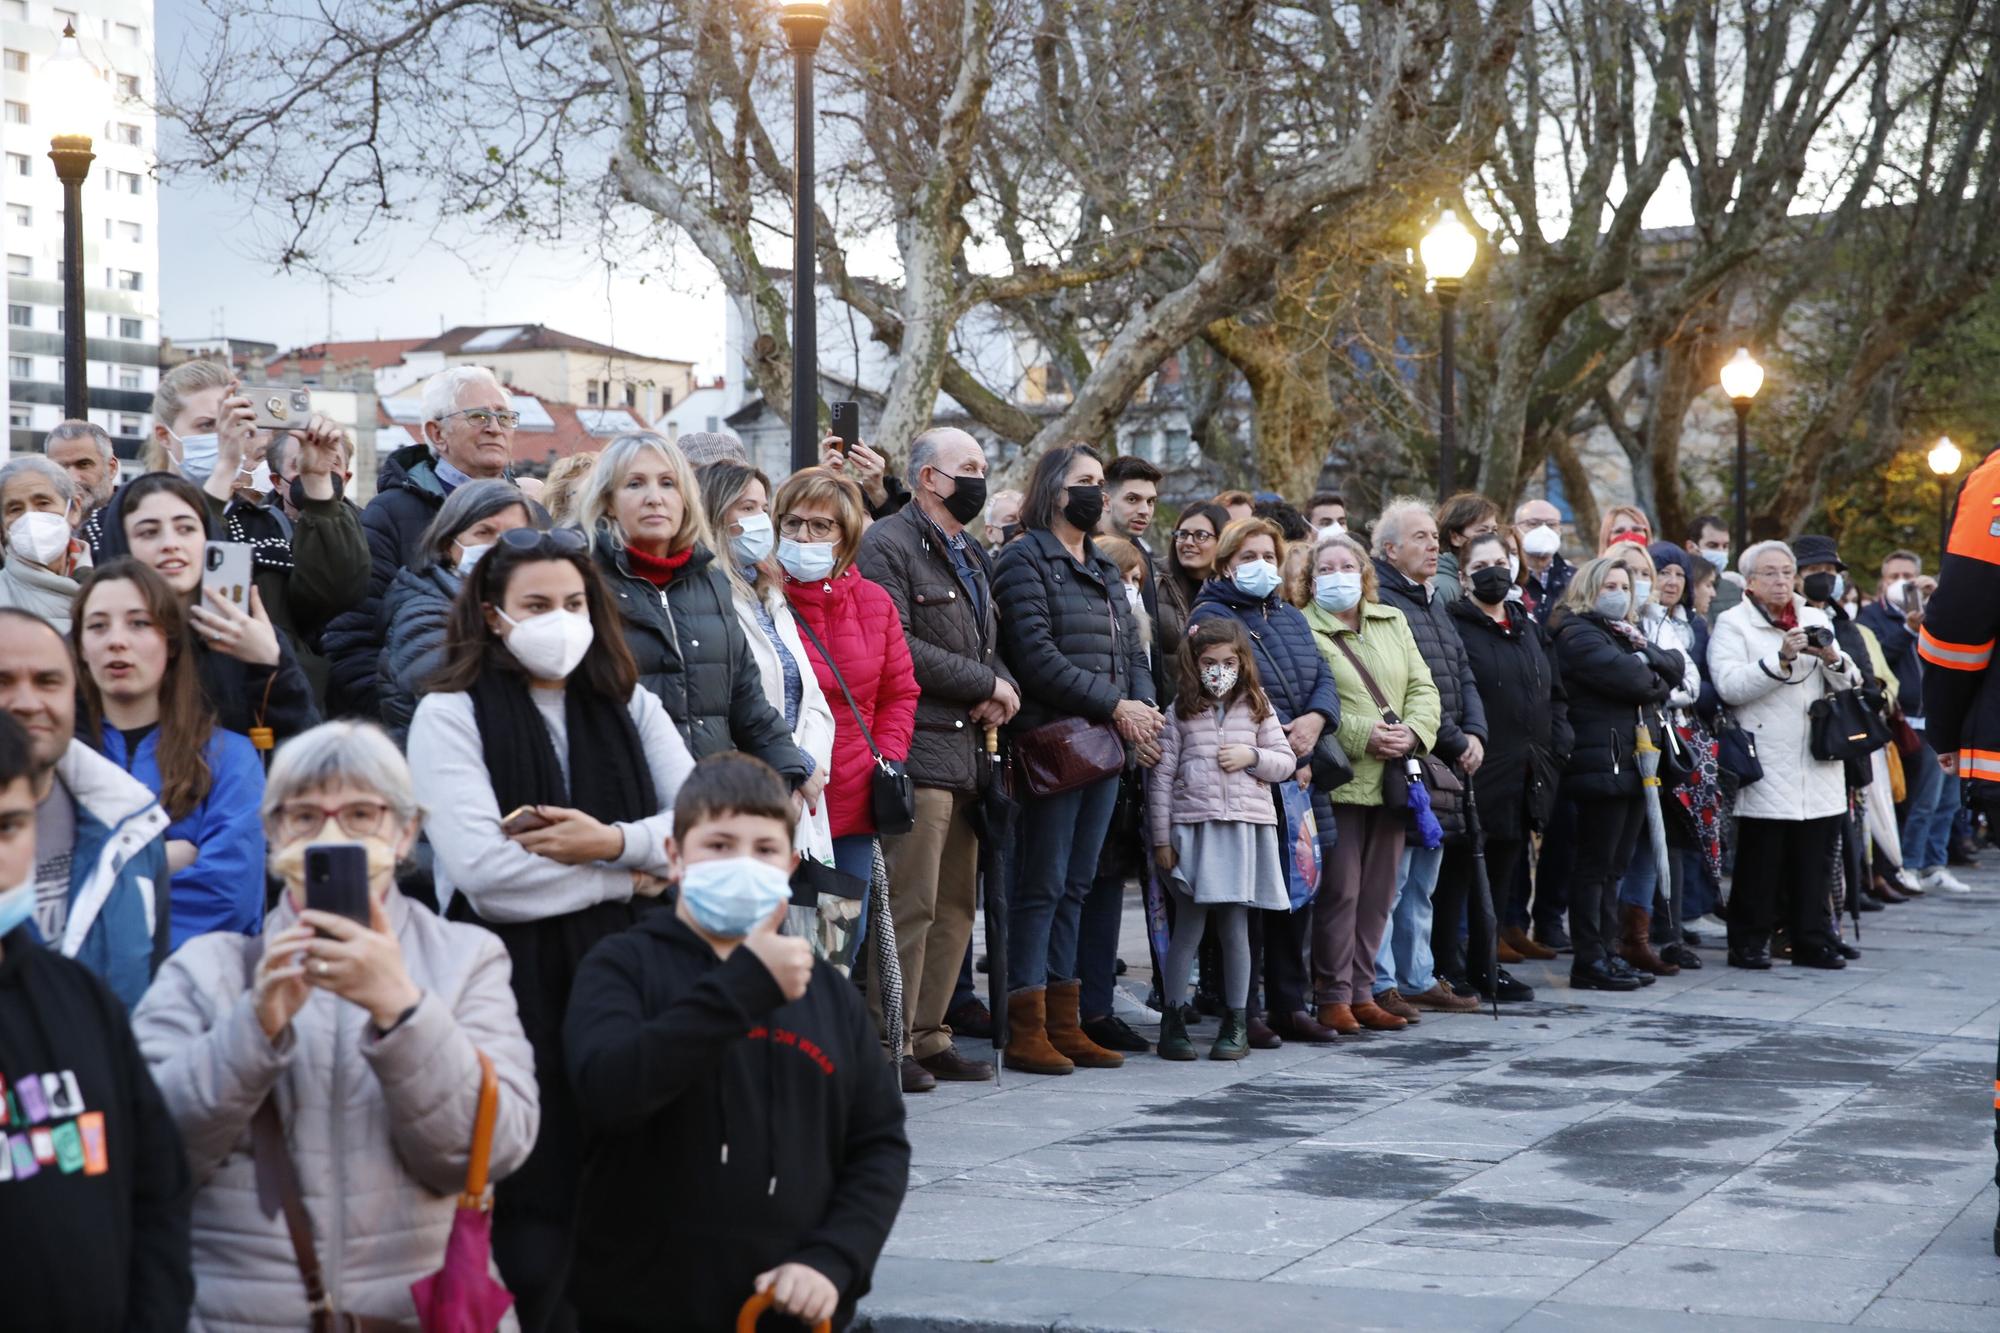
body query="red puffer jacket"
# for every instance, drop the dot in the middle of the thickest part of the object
(857, 622)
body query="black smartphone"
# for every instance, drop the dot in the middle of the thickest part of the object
(847, 425)
(337, 880)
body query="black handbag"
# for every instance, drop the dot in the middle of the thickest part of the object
(1736, 752)
(1845, 725)
(892, 796)
(1329, 765)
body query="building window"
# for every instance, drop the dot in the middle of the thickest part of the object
(20, 164)
(19, 418)
(20, 368)
(590, 394)
(20, 316)
(126, 34)
(131, 231)
(131, 328)
(631, 395)
(128, 377)
(16, 61)
(128, 281)
(128, 425)
(128, 87)
(17, 113)
(20, 266)
(20, 215)
(127, 133)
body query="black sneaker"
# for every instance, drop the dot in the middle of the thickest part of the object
(1512, 990)
(1115, 1034)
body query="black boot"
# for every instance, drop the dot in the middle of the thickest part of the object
(1752, 954)
(1600, 976)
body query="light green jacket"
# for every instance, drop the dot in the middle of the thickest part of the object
(1385, 644)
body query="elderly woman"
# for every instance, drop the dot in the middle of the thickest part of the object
(1067, 633)
(641, 512)
(1363, 642)
(418, 602)
(1772, 655)
(37, 499)
(1614, 679)
(350, 1047)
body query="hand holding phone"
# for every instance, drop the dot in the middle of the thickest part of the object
(225, 570)
(337, 880)
(847, 425)
(279, 406)
(525, 819)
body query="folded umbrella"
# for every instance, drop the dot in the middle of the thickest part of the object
(1482, 888)
(994, 819)
(888, 964)
(1656, 818)
(462, 1296)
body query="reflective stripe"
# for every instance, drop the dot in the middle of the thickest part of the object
(1955, 656)
(1984, 764)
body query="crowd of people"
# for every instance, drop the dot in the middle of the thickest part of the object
(671, 789)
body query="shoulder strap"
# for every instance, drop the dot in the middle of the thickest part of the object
(839, 680)
(276, 1175)
(1374, 690)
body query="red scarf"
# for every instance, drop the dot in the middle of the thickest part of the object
(657, 570)
(1787, 618)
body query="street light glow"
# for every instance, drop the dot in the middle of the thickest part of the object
(1448, 249)
(71, 92)
(1742, 376)
(1945, 457)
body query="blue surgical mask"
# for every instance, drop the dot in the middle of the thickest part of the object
(808, 562)
(198, 454)
(17, 905)
(1720, 559)
(754, 542)
(1642, 592)
(727, 898)
(468, 556)
(1257, 578)
(1337, 592)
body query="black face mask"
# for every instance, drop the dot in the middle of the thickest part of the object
(968, 497)
(1490, 584)
(1085, 507)
(1819, 587)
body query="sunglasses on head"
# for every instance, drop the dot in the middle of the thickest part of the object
(561, 541)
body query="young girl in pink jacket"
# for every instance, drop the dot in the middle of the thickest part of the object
(1214, 822)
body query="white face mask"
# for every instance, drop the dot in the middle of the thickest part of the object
(468, 556)
(39, 537)
(1642, 592)
(1258, 578)
(1133, 599)
(1720, 559)
(551, 644)
(1333, 527)
(1541, 541)
(257, 478)
(1513, 567)
(1218, 678)
(1338, 592)
(754, 542)
(1893, 594)
(198, 454)
(730, 897)
(808, 562)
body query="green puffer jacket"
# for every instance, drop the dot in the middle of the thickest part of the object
(1385, 644)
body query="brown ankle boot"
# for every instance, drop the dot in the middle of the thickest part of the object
(1372, 1015)
(1517, 939)
(1028, 1048)
(1339, 1017)
(1066, 1030)
(1635, 948)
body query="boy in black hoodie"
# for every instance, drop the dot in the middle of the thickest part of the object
(745, 1130)
(93, 1180)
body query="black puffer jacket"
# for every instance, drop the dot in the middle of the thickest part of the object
(412, 626)
(954, 647)
(1607, 682)
(1461, 713)
(1527, 714)
(408, 495)
(1066, 632)
(691, 652)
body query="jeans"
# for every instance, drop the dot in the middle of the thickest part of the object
(1403, 962)
(854, 854)
(1097, 944)
(1928, 810)
(1699, 894)
(1059, 841)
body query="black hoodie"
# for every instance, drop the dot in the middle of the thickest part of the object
(94, 1191)
(728, 1131)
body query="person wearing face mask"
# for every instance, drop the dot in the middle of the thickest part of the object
(347, 1050)
(142, 708)
(551, 777)
(36, 499)
(717, 1060)
(1460, 519)
(1367, 647)
(1326, 512)
(1613, 677)
(98, 1238)
(1708, 541)
(418, 603)
(1069, 640)
(1527, 717)
(1546, 574)
(1245, 586)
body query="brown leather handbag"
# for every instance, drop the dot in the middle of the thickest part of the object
(1068, 753)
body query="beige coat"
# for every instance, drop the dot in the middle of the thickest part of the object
(379, 1127)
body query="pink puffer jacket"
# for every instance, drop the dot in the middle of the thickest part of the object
(1188, 785)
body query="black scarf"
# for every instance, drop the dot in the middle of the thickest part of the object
(609, 779)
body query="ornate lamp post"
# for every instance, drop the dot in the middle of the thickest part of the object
(804, 22)
(1741, 378)
(70, 92)
(1448, 250)
(1944, 459)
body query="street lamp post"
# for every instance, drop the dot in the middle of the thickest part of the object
(1741, 378)
(1944, 459)
(804, 22)
(1448, 250)
(71, 92)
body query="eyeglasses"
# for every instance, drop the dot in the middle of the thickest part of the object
(1193, 536)
(482, 417)
(563, 541)
(819, 529)
(304, 819)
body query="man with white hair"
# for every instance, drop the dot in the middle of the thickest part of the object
(82, 449)
(469, 422)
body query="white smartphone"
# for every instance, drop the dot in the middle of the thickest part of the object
(226, 570)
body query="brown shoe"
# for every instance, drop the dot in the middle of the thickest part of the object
(1392, 1001)
(1066, 1030)
(948, 1066)
(1509, 954)
(1263, 1037)
(1636, 924)
(1515, 938)
(1375, 1017)
(1302, 1026)
(1442, 999)
(915, 1077)
(1340, 1018)
(1028, 1048)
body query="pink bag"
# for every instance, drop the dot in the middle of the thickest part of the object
(462, 1296)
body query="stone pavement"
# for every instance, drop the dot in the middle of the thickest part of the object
(1724, 1150)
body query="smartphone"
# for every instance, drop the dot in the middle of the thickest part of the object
(1913, 597)
(337, 880)
(847, 425)
(226, 571)
(279, 406)
(524, 820)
